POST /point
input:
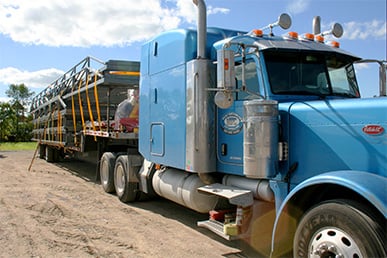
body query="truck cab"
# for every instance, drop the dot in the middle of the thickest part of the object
(274, 125)
(300, 70)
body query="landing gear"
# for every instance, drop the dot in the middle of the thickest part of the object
(339, 228)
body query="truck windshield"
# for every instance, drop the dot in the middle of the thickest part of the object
(310, 73)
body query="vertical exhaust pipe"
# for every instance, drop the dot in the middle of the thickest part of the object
(202, 28)
(200, 152)
(316, 25)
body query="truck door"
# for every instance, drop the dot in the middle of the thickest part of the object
(230, 120)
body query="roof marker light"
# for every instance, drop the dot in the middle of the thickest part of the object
(257, 33)
(319, 38)
(335, 44)
(293, 35)
(309, 36)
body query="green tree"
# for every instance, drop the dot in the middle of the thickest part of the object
(7, 117)
(20, 99)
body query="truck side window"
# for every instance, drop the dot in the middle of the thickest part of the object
(344, 81)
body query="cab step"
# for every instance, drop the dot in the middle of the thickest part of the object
(216, 227)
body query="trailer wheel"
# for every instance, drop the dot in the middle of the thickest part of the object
(339, 228)
(42, 151)
(106, 171)
(126, 191)
(52, 154)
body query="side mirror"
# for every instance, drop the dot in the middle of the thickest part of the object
(284, 21)
(337, 30)
(226, 70)
(226, 82)
(223, 99)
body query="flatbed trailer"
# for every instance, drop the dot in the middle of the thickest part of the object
(76, 112)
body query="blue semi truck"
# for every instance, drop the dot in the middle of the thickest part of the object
(267, 134)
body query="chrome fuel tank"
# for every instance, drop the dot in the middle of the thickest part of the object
(260, 138)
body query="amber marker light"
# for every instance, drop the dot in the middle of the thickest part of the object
(309, 36)
(226, 64)
(319, 38)
(258, 33)
(293, 35)
(335, 44)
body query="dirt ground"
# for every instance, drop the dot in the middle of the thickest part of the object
(59, 210)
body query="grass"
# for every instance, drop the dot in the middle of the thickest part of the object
(15, 146)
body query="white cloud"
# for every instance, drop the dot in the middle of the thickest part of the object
(78, 23)
(102, 23)
(375, 29)
(361, 66)
(4, 99)
(187, 10)
(297, 6)
(216, 10)
(37, 79)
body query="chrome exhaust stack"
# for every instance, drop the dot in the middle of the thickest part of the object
(200, 132)
(316, 25)
(202, 28)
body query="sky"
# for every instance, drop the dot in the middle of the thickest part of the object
(42, 39)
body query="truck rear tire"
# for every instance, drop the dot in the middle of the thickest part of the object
(106, 171)
(339, 228)
(126, 191)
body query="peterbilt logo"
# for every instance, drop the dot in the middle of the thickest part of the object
(373, 129)
(231, 123)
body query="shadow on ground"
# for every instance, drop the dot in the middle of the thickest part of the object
(87, 171)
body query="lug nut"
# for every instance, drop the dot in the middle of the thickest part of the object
(332, 249)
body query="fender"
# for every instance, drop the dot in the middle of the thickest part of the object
(370, 186)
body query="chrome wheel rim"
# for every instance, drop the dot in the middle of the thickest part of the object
(333, 242)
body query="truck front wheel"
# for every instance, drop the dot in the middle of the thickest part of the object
(106, 171)
(339, 228)
(126, 191)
